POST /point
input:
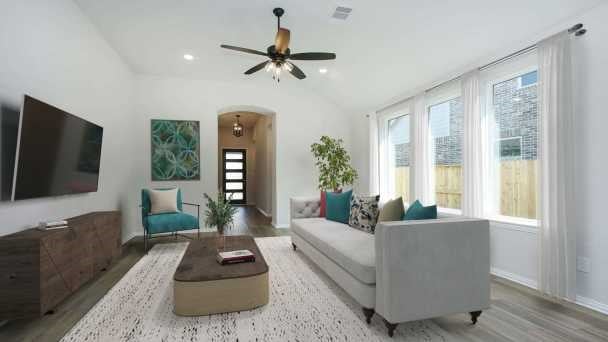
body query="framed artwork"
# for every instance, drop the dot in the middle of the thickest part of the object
(175, 150)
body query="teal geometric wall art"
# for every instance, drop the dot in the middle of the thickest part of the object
(175, 150)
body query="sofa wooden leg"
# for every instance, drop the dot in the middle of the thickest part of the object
(368, 314)
(391, 327)
(474, 316)
(294, 246)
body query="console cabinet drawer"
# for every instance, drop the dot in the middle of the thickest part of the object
(39, 269)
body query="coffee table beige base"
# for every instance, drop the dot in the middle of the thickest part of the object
(220, 296)
(203, 287)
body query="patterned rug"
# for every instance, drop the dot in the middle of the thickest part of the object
(305, 305)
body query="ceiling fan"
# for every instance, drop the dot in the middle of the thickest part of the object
(279, 54)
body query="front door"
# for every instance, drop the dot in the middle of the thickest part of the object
(235, 175)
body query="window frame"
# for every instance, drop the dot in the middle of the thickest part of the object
(521, 145)
(386, 190)
(501, 74)
(449, 94)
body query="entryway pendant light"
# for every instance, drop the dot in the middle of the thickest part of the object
(237, 128)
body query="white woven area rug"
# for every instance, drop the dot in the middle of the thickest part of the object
(305, 305)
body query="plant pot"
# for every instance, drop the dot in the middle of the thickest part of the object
(221, 242)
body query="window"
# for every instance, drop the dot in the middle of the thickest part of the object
(446, 126)
(510, 148)
(234, 175)
(399, 156)
(440, 119)
(528, 79)
(515, 114)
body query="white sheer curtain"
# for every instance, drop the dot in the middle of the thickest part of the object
(386, 157)
(557, 234)
(422, 171)
(374, 175)
(473, 143)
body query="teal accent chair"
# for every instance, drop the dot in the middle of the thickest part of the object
(167, 222)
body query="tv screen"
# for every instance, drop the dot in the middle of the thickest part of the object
(58, 153)
(9, 129)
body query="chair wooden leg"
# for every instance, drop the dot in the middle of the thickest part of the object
(391, 328)
(145, 242)
(474, 316)
(368, 314)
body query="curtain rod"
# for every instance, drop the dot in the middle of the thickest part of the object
(577, 29)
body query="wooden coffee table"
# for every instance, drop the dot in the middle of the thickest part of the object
(203, 287)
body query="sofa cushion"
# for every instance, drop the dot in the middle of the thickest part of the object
(417, 211)
(352, 249)
(323, 203)
(338, 206)
(364, 212)
(392, 210)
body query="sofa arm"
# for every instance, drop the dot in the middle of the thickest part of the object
(432, 268)
(304, 207)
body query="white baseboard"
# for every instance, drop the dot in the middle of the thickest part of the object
(130, 237)
(531, 283)
(263, 212)
(592, 304)
(280, 225)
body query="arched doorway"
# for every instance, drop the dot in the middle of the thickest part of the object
(247, 164)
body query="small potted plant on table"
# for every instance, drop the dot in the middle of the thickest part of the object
(220, 214)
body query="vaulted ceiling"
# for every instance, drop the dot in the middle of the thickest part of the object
(384, 49)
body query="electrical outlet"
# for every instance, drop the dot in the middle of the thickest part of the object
(583, 264)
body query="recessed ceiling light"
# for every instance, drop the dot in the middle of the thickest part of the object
(188, 57)
(323, 70)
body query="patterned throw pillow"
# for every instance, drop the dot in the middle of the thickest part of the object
(364, 213)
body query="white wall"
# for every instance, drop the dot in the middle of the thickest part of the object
(50, 50)
(514, 249)
(301, 118)
(361, 152)
(264, 153)
(592, 181)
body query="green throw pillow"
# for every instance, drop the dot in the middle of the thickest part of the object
(392, 211)
(417, 211)
(338, 206)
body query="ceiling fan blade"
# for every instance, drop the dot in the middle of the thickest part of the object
(256, 68)
(297, 72)
(242, 49)
(312, 56)
(281, 41)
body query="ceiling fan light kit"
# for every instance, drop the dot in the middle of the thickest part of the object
(279, 54)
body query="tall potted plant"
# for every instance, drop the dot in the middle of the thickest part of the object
(220, 214)
(333, 163)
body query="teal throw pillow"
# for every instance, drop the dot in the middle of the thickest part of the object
(417, 211)
(338, 206)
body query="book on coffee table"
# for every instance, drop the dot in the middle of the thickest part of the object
(232, 257)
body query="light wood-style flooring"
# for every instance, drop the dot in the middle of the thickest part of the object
(517, 314)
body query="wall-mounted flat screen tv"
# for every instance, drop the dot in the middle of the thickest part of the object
(58, 153)
(9, 129)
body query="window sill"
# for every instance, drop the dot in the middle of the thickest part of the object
(449, 211)
(514, 223)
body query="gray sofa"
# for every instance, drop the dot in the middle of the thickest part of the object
(407, 270)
